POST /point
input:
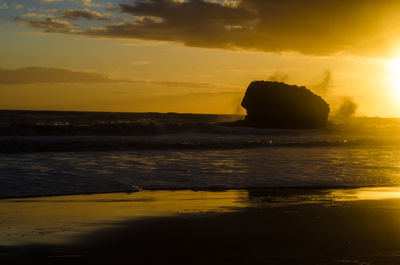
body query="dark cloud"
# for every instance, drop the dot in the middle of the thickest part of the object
(310, 26)
(82, 13)
(194, 23)
(37, 75)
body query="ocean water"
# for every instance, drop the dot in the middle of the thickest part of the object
(54, 153)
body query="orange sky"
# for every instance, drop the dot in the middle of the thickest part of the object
(195, 56)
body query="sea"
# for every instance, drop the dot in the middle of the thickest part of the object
(45, 153)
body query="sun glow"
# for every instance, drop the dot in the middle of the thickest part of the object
(393, 67)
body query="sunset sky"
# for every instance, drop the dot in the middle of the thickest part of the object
(196, 55)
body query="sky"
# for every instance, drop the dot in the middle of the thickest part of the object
(196, 56)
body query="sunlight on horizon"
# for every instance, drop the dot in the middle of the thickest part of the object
(393, 71)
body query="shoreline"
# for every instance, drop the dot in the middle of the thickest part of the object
(358, 226)
(274, 190)
(117, 206)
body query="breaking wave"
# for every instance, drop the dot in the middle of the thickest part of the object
(27, 131)
(174, 142)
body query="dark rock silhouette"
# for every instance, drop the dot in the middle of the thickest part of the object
(279, 105)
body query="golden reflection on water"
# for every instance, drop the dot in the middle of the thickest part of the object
(56, 219)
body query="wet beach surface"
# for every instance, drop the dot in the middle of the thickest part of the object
(276, 226)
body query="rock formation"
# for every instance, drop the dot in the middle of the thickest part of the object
(279, 105)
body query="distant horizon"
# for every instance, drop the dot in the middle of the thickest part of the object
(172, 112)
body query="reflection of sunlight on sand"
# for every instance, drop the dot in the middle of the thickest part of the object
(53, 219)
(58, 219)
(285, 197)
(378, 193)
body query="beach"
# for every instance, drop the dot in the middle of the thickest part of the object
(151, 188)
(268, 226)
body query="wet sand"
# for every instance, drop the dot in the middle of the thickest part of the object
(185, 227)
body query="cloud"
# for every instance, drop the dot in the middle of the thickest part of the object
(110, 7)
(33, 16)
(50, 1)
(34, 75)
(3, 5)
(313, 27)
(48, 24)
(90, 3)
(39, 75)
(82, 13)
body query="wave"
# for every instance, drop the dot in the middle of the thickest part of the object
(139, 127)
(29, 131)
(178, 142)
(55, 123)
(54, 173)
(31, 123)
(143, 126)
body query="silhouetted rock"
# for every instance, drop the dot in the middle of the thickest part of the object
(279, 105)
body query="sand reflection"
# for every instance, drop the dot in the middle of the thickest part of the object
(373, 193)
(57, 219)
(60, 219)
